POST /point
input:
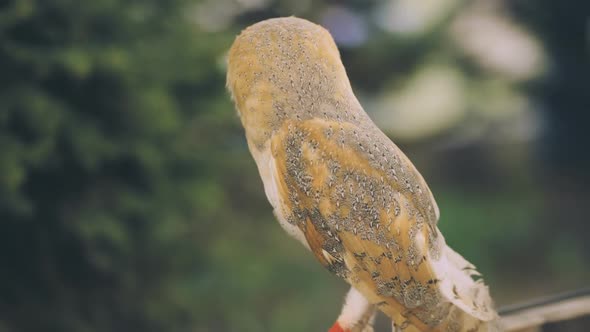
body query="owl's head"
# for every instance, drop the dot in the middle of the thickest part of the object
(284, 68)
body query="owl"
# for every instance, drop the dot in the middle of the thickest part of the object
(343, 189)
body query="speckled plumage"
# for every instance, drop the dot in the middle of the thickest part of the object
(341, 187)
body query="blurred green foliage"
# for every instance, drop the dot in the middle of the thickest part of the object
(104, 168)
(129, 201)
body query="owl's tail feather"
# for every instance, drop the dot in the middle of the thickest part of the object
(551, 309)
(462, 286)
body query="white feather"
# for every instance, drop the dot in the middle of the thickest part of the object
(355, 307)
(268, 172)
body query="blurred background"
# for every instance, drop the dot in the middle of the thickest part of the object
(129, 200)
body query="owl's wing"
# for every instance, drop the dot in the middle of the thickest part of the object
(369, 217)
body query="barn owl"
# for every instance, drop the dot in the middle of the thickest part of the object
(343, 189)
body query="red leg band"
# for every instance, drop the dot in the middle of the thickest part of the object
(337, 328)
